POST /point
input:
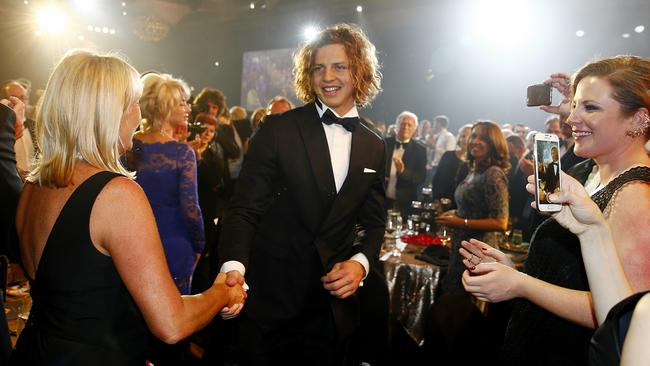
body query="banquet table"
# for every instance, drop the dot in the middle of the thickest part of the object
(412, 286)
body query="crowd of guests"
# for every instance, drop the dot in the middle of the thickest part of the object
(132, 207)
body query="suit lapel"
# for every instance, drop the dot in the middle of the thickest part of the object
(315, 142)
(355, 168)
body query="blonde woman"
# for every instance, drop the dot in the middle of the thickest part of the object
(166, 170)
(99, 276)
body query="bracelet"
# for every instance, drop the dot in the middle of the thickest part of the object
(466, 225)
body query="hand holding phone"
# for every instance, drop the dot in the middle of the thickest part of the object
(547, 170)
(537, 95)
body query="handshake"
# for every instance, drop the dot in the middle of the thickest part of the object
(234, 293)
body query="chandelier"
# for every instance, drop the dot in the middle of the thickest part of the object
(151, 29)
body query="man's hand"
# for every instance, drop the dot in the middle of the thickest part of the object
(232, 279)
(19, 108)
(344, 278)
(399, 165)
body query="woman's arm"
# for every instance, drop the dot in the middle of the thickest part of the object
(635, 349)
(495, 282)
(130, 237)
(189, 198)
(489, 224)
(580, 215)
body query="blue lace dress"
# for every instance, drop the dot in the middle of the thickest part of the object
(167, 173)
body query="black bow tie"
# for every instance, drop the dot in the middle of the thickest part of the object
(348, 123)
(401, 145)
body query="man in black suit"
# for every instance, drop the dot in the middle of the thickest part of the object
(405, 165)
(552, 173)
(312, 180)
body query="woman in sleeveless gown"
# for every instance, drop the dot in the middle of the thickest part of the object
(554, 314)
(88, 238)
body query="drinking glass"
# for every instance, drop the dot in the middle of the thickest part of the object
(394, 224)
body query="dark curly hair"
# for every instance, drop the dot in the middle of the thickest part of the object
(498, 148)
(209, 95)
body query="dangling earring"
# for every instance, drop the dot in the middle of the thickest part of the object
(641, 129)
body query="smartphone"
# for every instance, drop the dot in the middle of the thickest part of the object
(539, 94)
(547, 170)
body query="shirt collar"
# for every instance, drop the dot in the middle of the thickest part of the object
(322, 107)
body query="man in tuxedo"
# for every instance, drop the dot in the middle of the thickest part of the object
(406, 166)
(312, 181)
(552, 173)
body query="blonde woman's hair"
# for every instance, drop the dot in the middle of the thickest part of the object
(362, 56)
(80, 113)
(161, 94)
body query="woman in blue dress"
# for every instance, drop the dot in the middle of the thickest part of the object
(166, 170)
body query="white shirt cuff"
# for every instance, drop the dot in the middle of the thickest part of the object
(235, 266)
(361, 258)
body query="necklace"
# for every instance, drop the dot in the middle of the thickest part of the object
(165, 135)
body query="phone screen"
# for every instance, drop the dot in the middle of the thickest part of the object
(547, 170)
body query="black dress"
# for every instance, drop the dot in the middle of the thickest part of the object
(607, 342)
(82, 313)
(534, 335)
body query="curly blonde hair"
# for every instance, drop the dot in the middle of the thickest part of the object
(364, 67)
(160, 96)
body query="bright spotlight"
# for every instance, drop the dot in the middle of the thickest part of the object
(252, 6)
(359, 8)
(216, 63)
(625, 35)
(310, 32)
(123, 13)
(112, 31)
(81, 38)
(639, 28)
(580, 33)
(86, 6)
(51, 20)
(501, 23)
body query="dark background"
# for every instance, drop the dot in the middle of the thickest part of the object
(437, 56)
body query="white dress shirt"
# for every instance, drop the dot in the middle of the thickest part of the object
(339, 143)
(391, 187)
(445, 142)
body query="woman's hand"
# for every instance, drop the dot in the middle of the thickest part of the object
(450, 220)
(579, 213)
(476, 252)
(236, 297)
(493, 282)
(562, 82)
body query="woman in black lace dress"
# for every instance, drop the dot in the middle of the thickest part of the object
(554, 317)
(482, 197)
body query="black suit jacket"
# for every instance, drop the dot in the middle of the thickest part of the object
(10, 183)
(287, 224)
(244, 128)
(552, 177)
(415, 161)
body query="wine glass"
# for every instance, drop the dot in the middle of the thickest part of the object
(394, 224)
